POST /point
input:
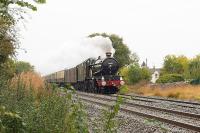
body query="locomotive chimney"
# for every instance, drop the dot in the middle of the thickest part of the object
(108, 54)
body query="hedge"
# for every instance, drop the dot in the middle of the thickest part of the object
(170, 78)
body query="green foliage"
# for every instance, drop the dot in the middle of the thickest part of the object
(146, 74)
(123, 89)
(76, 119)
(194, 67)
(175, 64)
(7, 69)
(124, 73)
(5, 3)
(7, 40)
(170, 78)
(108, 123)
(122, 52)
(21, 66)
(53, 111)
(195, 82)
(136, 74)
(10, 122)
(8, 34)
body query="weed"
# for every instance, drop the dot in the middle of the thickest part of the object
(42, 108)
(123, 89)
(153, 122)
(108, 122)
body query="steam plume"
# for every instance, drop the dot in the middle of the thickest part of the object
(71, 54)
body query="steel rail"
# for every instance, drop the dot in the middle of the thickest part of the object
(149, 107)
(125, 109)
(163, 99)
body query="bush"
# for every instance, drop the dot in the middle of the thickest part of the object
(137, 74)
(195, 82)
(170, 78)
(123, 89)
(194, 68)
(107, 122)
(10, 122)
(124, 73)
(52, 111)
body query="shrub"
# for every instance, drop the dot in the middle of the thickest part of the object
(137, 74)
(123, 89)
(124, 72)
(50, 110)
(194, 68)
(195, 82)
(170, 78)
(53, 111)
(107, 122)
(10, 122)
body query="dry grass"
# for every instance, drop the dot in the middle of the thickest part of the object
(29, 80)
(188, 92)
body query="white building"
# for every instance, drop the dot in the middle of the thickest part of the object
(155, 73)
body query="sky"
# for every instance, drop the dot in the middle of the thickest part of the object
(151, 28)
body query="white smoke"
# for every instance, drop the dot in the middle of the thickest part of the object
(97, 46)
(71, 54)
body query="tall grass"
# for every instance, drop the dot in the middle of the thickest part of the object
(41, 108)
(27, 104)
(188, 92)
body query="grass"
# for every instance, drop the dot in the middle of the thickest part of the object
(187, 92)
(29, 105)
(41, 108)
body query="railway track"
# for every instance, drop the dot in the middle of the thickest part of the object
(178, 118)
(189, 104)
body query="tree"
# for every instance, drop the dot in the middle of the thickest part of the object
(194, 68)
(7, 69)
(146, 74)
(21, 66)
(134, 73)
(175, 65)
(122, 52)
(8, 34)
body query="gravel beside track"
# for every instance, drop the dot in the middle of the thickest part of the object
(165, 103)
(131, 123)
(174, 117)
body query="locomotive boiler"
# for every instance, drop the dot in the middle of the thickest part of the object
(93, 75)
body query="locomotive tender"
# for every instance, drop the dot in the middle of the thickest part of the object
(93, 75)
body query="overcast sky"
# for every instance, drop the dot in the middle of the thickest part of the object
(151, 28)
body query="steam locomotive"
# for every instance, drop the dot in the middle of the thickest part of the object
(93, 75)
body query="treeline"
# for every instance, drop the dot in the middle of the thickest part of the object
(13, 67)
(175, 69)
(180, 68)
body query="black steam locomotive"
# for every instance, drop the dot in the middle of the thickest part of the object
(93, 75)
